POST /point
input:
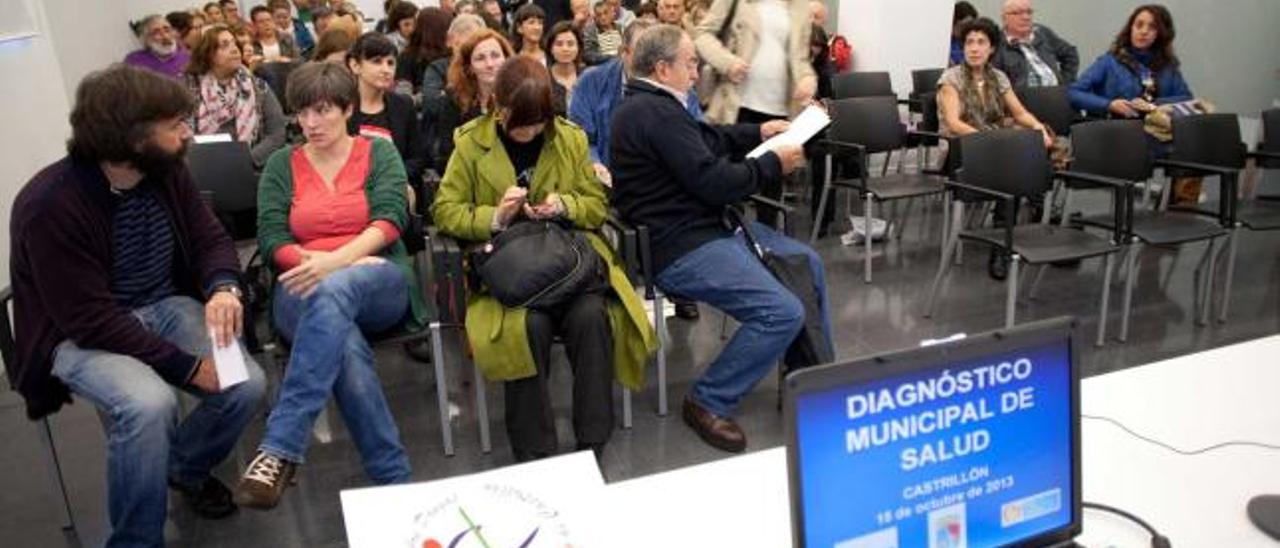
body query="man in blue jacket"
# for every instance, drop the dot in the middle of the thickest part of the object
(596, 95)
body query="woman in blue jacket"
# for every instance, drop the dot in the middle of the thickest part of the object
(1139, 72)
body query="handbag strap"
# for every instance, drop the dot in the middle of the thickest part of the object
(735, 219)
(723, 33)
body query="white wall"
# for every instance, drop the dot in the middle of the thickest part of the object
(33, 105)
(875, 27)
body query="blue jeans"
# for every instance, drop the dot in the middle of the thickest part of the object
(145, 444)
(725, 274)
(331, 355)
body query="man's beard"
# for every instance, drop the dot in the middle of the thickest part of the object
(156, 163)
(161, 49)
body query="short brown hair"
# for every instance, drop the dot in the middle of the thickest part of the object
(116, 108)
(202, 54)
(334, 40)
(315, 83)
(523, 92)
(461, 81)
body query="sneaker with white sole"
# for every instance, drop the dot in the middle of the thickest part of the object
(264, 481)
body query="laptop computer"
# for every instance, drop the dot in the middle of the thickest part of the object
(968, 443)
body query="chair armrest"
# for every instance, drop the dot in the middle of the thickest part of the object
(622, 238)
(759, 199)
(840, 148)
(1093, 178)
(1263, 155)
(1196, 166)
(7, 346)
(925, 133)
(6, 295)
(993, 194)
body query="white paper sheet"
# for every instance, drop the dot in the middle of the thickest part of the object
(211, 138)
(229, 361)
(806, 125)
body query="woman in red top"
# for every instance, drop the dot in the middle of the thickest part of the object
(330, 214)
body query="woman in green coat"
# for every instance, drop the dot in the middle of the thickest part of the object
(605, 330)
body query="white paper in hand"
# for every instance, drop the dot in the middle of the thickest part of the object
(229, 361)
(804, 127)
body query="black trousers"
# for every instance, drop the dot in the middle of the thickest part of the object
(584, 325)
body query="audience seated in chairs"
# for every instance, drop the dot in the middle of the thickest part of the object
(526, 32)
(602, 36)
(119, 274)
(426, 55)
(676, 175)
(469, 94)
(604, 325)
(271, 43)
(188, 26)
(296, 28)
(400, 23)
(161, 51)
(330, 215)
(563, 45)
(975, 96)
(1139, 72)
(230, 99)
(382, 113)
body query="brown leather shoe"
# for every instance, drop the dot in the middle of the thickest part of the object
(720, 432)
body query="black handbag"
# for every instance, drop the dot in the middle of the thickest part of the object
(811, 346)
(538, 265)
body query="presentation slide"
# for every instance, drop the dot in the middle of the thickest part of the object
(964, 454)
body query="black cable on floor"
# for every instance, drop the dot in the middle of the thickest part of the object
(1157, 540)
(1186, 452)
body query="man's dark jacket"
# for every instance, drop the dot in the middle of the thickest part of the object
(676, 174)
(1060, 55)
(60, 269)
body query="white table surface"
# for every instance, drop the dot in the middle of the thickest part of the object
(1197, 501)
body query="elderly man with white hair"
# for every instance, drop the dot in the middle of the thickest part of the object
(1032, 55)
(160, 49)
(818, 12)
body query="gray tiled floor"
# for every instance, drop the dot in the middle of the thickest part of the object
(869, 319)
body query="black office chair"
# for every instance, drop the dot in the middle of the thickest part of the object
(1113, 154)
(224, 172)
(861, 84)
(861, 127)
(1051, 106)
(1209, 145)
(8, 349)
(1009, 166)
(923, 81)
(276, 75)
(1267, 153)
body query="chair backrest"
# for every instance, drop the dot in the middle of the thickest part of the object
(929, 120)
(872, 122)
(1050, 105)
(1212, 139)
(925, 81)
(1012, 161)
(226, 170)
(861, 84)
(7, 346)
(1112, 148)
(1270, 130)
(276, 75)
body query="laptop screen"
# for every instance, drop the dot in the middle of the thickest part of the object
(972, 444)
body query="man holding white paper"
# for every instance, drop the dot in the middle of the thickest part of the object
(123, 282)
(677, 175)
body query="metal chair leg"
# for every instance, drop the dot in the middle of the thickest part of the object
(1035, 282)
(946, 224)
(822, 202)
(482, 410)
(626, 408)
(1104, 309)
(1232, 238)
(660, 322)
(868, 205)
(55, 472)
(1011, 294)
(944, 265)
(1204, 276)
(1131, 274)
(442, 389)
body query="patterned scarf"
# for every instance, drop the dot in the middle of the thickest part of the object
(983, 108)
(219, 104)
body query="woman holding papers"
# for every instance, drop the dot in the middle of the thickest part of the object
(330, 213)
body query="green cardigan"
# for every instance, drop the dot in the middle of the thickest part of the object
(479, 173)
(384, 189)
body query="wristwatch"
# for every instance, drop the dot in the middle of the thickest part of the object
(233, 289)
